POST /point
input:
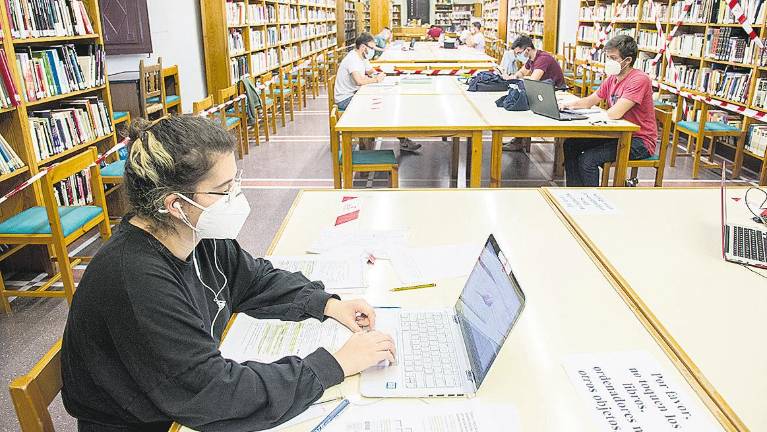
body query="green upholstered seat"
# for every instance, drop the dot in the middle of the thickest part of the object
(231, 121)
(372, 157)
(153, 100)
(34, 220)
(119, 115)
(710, 126)
(171, 99)
(115, 169)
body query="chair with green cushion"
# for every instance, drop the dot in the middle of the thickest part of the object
(362, 160)
(151, 90)
(298, 82)
(235, 118)
(282, 90)
(57, 226)
(663, 116)
(268, 104)
(698, 131)
(172, 89)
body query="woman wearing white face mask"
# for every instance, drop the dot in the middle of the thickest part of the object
(141, 342)
(628, 92)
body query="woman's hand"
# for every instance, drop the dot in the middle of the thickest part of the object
(363, 350)
(354, 314)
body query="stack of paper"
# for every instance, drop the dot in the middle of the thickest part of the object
(430, 264)
(339, 274)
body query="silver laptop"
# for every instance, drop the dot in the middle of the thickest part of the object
(448, 352)
(543, 101)
(742, 244)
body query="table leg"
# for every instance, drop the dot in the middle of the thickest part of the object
(622, 159)
(346, 155)
(476, 160)
(559, 158)
(456, 158)
(495, 161)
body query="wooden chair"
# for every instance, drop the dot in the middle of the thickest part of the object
(219, 115)
(314, 74)
(588, 79)
(700, 130)
(151, 89)
(33, 393)
(284, 93)
(112, 172)
(300, 84)
(236, 117)
(268, 104)
(172, 89)
(663, 115)
(57, 226)
(331, 93)
(362, 160)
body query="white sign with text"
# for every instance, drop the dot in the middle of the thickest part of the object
(629, 391)
(584, 201)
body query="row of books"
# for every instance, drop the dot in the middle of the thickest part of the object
(660, 10)
(753, 9)
(9, 94)
(688, 75)
(648, 39)
(257, 15)
(760, 94)
(628, 13)
(236, 13)
(587, 33)
(725, 84)
(756, 140)
(74, 190)
(289, 54)
(238, 67)
(9, 160)
(257, 39)
(76, 122)
(722, 45)
(265, 60)
(688, 44)
(48, 18)
(236, 41)
(700, 12)
(60, 69)
(644, 63)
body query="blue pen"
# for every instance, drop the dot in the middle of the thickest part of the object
(333, 414)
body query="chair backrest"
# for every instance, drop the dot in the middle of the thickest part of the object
(227, 94)
(202, 104)
(150, 80)
(170, 74)
(331, 91)
(33, 393)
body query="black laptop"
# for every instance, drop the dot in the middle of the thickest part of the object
(543, 101)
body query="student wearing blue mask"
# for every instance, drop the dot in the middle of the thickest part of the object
(140, 347)
(536, 64)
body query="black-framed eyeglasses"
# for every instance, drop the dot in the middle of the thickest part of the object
(234, 189)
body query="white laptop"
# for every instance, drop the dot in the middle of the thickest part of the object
(740, 243)
(448, 352)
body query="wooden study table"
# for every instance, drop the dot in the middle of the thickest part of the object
(664, 248)
(401, 85)
(430, 52)
(411, 115)
(522, 124)
(574, 309)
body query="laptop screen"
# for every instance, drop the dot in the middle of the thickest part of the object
(490, 304)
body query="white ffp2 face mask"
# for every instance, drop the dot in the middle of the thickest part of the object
(612, 67)
(222, 220)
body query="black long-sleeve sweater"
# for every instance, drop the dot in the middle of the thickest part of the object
(138, 353)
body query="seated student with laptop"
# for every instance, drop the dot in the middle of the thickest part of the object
(355, 71)
(140, 346)
(628, 92)
(537, 64)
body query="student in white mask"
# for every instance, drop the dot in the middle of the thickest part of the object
(140, 346)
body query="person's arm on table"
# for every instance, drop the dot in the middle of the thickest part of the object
(620, 108)
(536, 75)
(362, 79)
(586, 102)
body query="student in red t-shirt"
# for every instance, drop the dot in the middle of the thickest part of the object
(628, 92)
(537, 64)
(434, 32)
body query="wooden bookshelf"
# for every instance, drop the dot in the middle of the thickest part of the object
(380, 15)
(638, 22)
(443, 13)
(465, 13)
(494, 18)
(538, 19)
(274, 34)
(346, 22)
(362, 15)
(15, 128)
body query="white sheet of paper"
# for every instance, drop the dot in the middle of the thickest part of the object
(584, 201)
(418, 416)
(337, 273)
(430, 264)
(629, 391)
(267, 340)
(359, 242)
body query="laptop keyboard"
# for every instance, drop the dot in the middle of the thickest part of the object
(749, 244)
(428, 353)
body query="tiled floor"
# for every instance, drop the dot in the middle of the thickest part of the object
(298, 157)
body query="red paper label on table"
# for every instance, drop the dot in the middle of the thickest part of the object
(348, 217)
(348, 198)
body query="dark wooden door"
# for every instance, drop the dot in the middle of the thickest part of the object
(126, 27)
(418, 9)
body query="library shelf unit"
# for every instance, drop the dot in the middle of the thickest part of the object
(730, 71)
(259, 37)
(494, 19)
(537, 19)
(15, 125)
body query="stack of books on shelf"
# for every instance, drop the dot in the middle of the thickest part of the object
(9, 160)
(604, 12)
(728, 85)
(644, 63)
(236, 42)
(688, 44)
(660, 10)
(74, 190)
(756, 141)
(257, 39)
(586, 13)
(48, 18)
(236, 13)
(238, 67)
(629, 13)
(587, 33)
(688, 75)
(753, 10)
(760, 94)
(60, 69)
(630, 31)
(76, 122)
(271, 14)
(271, 36)
(9, 95)
(257, 15)
(722, 45)
(699, 13)
(648, 39)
